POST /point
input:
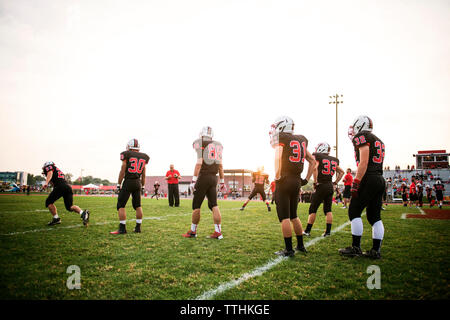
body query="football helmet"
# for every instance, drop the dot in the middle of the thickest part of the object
(207, 133)
(281, 124)
(48, 163)
(323, 147)
(362, 123)
(438, 182)
(133, 144)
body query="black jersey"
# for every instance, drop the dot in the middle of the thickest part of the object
(294, 153)
(57, 178)
(376, 152)
(211, 153)
(260, 178)
(136, 162)
(156, 186)
(439, 188)
(327, 167)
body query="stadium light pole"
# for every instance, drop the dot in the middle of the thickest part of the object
(336, 99)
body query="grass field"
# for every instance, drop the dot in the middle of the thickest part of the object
(160, 264)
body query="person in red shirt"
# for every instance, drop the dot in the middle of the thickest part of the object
(172, 177)
(348, 180)
(412, 192)
(272, 190)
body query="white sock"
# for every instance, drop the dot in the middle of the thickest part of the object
(357, 227)
(378, 230)
(56, 216)
(217, 228)
(123, 221)
(193, 227)
(139, 221)
(81, 212)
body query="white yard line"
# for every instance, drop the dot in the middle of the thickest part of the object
(259, 270)
(100, 223)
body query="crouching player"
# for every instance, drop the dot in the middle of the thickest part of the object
(132, 173)
(60, 189)
(204, 181)
(367, 188)
(290, 154)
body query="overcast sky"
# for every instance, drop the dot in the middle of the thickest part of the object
(78, 79)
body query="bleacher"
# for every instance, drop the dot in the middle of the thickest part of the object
(398, 177)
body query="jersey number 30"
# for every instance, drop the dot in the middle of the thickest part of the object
(136, 166)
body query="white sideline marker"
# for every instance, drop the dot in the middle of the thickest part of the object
(258, 271)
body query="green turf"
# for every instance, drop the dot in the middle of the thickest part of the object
(160, 264)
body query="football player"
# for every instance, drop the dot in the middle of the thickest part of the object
(132, 174)
(324, 170)
(204, 181)
(55, 177)
(439, 191)
(429, 191)
(155, 190)
(404, 191)
(419, 202)
(290, 154)
(272, 189)
(367, 188)
(259, 178)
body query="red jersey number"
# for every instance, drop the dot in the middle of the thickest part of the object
(136, 166)
(329, 167)
(380, 150)
(299, 151)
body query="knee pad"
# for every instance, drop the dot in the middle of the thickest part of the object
(378, 230)
(357, 227)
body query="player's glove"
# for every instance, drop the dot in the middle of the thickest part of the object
(304, 182)
(118, 187)
(355, 187)
(222, 185)
(192, 185)
(315, 185)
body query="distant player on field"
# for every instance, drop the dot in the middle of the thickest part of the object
(272, 190)
(429, 192)
(155, 190)
(367, 188)
(324, 170)
(55, 177)
(259, 178)
(204, 181)
(412, 193)
(132, 174)
(404, 191)
(290, 154)
(439, 191)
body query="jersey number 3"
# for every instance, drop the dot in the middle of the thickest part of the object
(298, 151)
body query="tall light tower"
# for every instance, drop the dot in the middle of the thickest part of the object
(336, 99)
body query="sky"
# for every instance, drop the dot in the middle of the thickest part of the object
(78, 79)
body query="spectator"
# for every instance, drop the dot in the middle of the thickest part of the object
(348, 180)
(173, 177)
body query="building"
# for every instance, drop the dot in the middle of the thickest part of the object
(432, 159)
(18, 177)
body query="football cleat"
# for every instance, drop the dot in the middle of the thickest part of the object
(216, 235)
(326, 234)
(301, 249)
(242, 209)
(372, 254)
(269, 208)
(190, 234)
(306, 233)
(85, 217)
(285, 253)
(137, 229)
(54, 221)
(351, 252)
(122, 229)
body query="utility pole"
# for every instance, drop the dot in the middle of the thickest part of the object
(336, 99)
